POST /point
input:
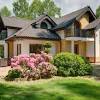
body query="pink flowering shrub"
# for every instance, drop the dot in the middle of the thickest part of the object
(35, 66)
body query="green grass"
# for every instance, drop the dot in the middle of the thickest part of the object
(51, 89)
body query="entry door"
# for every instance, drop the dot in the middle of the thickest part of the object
(76, 48)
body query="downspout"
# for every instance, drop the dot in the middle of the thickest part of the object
(94, 47)
(60, 46)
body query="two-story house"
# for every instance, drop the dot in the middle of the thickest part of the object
(77, 32)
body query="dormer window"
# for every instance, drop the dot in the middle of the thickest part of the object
(44, 25)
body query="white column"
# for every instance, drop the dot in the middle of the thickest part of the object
(72, 46)
(97, 43)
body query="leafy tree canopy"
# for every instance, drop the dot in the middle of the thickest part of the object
(25, 9)
(5, 11)
(98, 12)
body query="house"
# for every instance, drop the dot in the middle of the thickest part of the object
(77, 32)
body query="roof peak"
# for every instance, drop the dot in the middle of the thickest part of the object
(77, 10)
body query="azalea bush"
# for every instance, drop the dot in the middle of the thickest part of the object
(35, 66)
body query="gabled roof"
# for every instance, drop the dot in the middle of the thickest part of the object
(15, 22)
(64, 24)
(76, 14)
(43, 17)
(30, 32)
(93, 24)
(21, 23)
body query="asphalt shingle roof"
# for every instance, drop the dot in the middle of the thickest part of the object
(73, 15)
(93, 24)
(64, 24)
(15, 22)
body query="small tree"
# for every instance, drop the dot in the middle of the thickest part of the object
(47, 47)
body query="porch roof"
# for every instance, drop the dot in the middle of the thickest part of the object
(31, 32)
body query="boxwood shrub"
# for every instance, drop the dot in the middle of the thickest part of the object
(69, 64)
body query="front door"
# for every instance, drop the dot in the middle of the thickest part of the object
(76, 48)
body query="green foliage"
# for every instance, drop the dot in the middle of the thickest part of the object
(47, 46)
(5, 11)
(57, 88)
(1, 51)
(98, 12)
(13, 74)
(72, 65)
(23, 9)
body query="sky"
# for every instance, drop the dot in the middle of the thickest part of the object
(66, 6)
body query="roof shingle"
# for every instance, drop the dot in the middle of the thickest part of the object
(15, 22)
(93, 24)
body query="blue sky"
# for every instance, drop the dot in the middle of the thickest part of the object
(67, 6)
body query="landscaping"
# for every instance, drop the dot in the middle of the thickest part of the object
(35, 66)
(69, 64)
(43, 65)
(35, 77)
(56, 88)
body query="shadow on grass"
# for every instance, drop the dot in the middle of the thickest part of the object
(9, 92)
(89, 91)
(45, 92)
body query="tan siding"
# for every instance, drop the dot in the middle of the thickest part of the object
(84, 20)
(10, 49)
(68, 46)
(26, 42)
(82, 48)
(63, 45)
(58, 47)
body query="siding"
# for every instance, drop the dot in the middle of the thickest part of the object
(84, 21)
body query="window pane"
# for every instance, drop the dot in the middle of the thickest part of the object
(36, 48)
(1, 51)
(44, 25)
(18, 49)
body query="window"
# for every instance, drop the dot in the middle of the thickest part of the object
(18, 49)
(68, 32)
(3, 34)
(36, 48)
(1, 51)
(44, 25)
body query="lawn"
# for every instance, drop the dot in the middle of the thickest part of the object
(57, 88)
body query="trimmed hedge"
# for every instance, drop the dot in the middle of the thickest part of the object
(69, 64)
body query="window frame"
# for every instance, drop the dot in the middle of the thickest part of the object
(18, 49)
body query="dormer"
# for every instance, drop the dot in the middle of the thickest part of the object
(45, 23)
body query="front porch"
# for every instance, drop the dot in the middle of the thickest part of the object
(82, 46)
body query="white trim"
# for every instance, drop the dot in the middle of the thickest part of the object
(79, 39)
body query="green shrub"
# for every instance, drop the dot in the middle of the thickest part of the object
(13, 74)
(69, 64)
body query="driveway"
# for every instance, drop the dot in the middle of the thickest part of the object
(4, 71)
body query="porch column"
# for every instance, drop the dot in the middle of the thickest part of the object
(72, 46)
